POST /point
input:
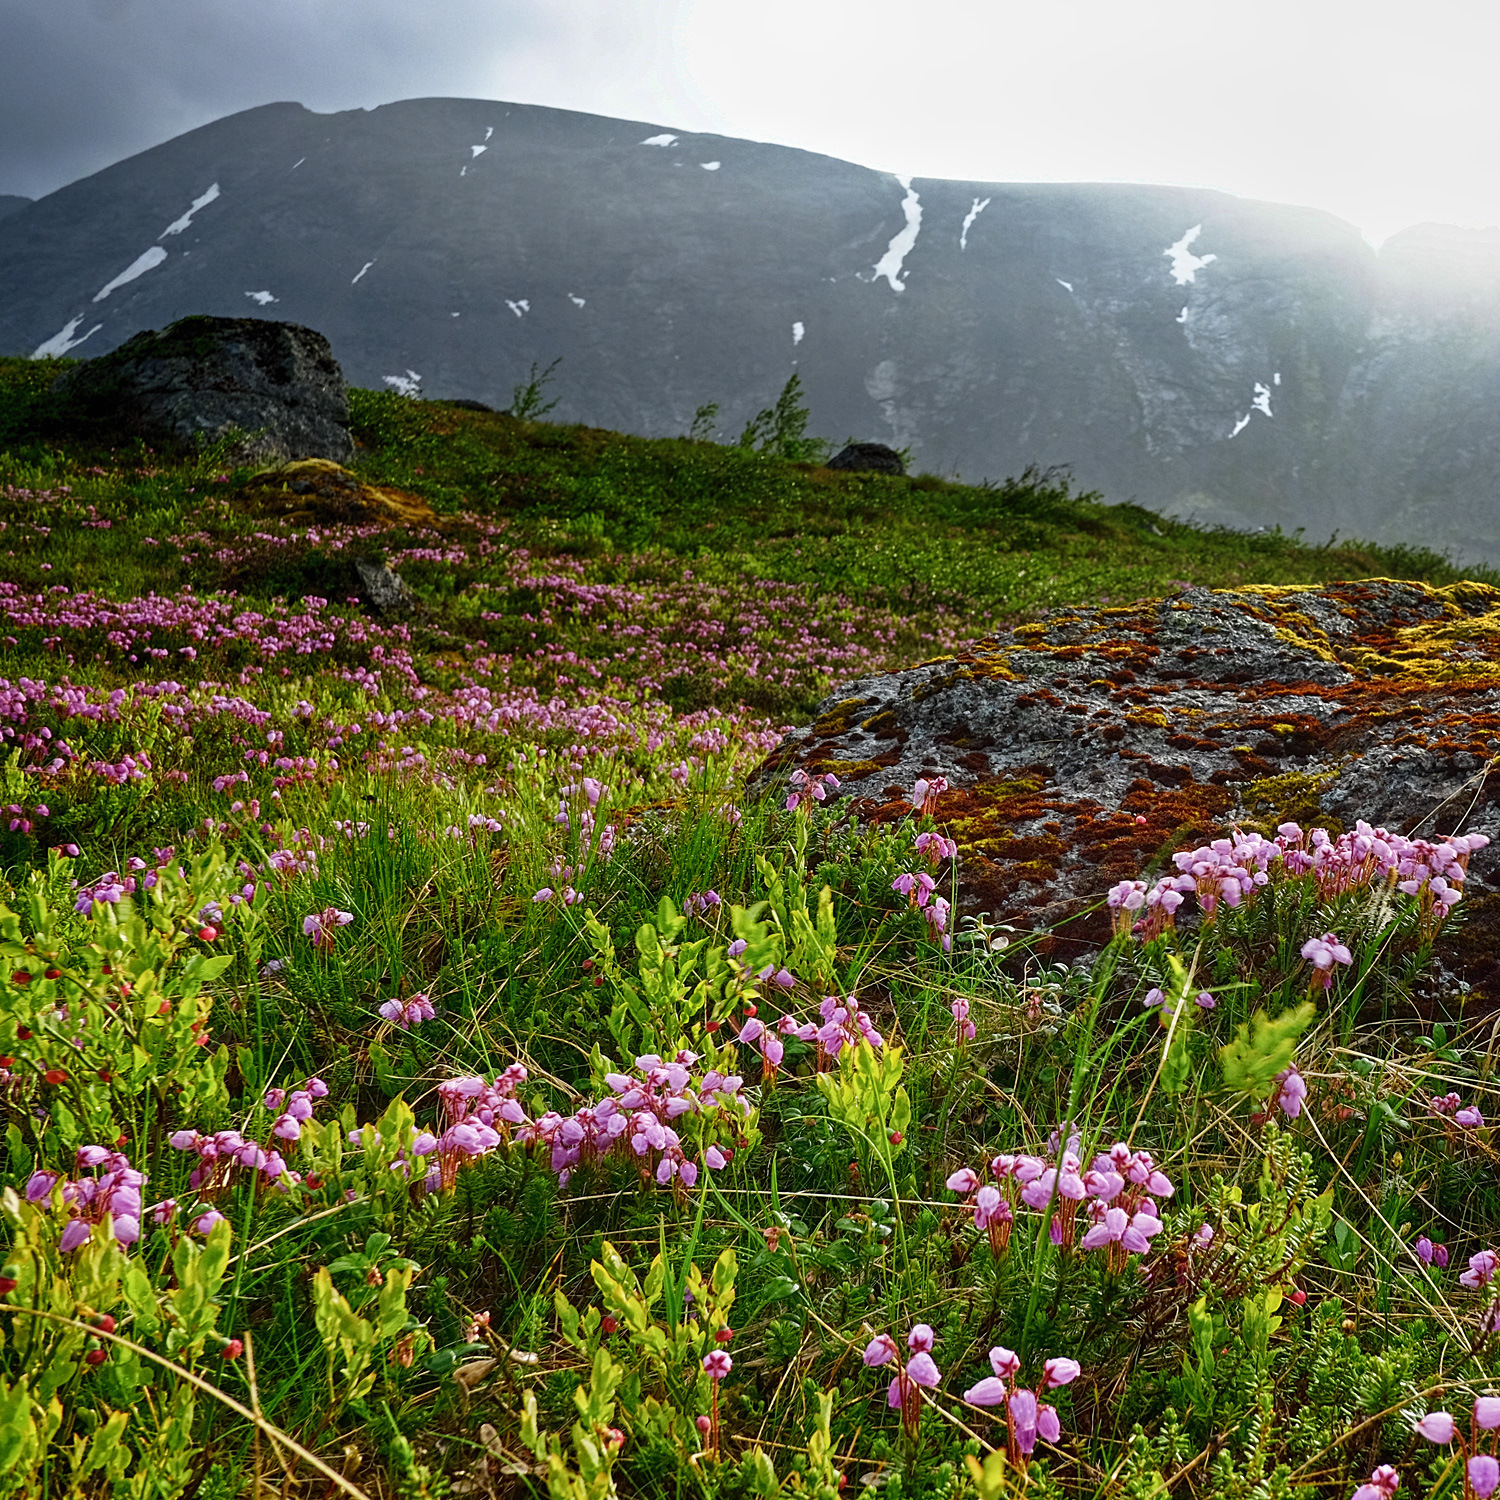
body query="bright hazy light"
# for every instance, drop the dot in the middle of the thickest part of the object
(1383, 114)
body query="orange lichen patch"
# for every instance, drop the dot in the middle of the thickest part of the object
(317, 491)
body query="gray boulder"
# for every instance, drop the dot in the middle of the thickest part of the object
(868, 458)
(276, 385)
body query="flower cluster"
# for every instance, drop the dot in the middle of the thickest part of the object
(225, 1152)
(813, 788)
(407, 1013)
(1466, 1116)
(700, 903)
(320, 926)
(113, 1194)
(1231, 870)
(1121, 1189)
(1323, 953)
(918, 1369)
(1026, 1418)
(1431, 1254)
(918, 888)
(641, 1119)
(1481, 1471)
(925, 793)
(934, 848)
(962, 1025)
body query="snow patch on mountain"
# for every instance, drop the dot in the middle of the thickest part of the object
(576, 300)
(1067, 286)
(362, 271)
(980, 204)
(1186, 265)
(889, 264)
(478, 150)
(1260, 401)
(264, 298)
(710, 166)
(520, 307)
(409, 384)
(178, 225)
(63, 339)
(664, 139)
(797, 331)
(138, 267)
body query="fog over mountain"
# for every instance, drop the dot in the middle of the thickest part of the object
(1238, 361)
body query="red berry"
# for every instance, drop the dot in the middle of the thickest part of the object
(1299, 1297)
(724, 1335)
(598, 980)
(96, 1356)
(208, 934)
(610, 1323)
(106, 969)
(588, 964)
(53, 973)
(895, 1138)
(105, 1075)
(23, 1033)
(713, 1025)
(21, 976)
(8, 1284)
(234, 1348)
(104, 1323)
(1141, 820)
(750, 1010)
(55, 1076)
(7, 1062)
(165, 1008)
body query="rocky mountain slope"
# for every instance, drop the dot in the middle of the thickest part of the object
(1236, 361)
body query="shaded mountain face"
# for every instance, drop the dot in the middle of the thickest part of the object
(1240, 362)
(12, 203)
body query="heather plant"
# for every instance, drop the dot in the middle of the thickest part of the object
(434, 1060)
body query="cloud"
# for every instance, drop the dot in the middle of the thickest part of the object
(84, 83)
(1379, 113)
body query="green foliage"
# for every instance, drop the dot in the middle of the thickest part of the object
(781, 430)
(527, 400)
(1262, 1048)
(555, 1334)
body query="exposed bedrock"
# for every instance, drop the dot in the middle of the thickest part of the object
(1085, 748)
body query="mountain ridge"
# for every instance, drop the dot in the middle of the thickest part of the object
(1235, 361)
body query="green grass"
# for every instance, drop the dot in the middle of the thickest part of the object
(558, 551)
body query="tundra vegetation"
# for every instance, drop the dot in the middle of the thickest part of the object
(429, 1066)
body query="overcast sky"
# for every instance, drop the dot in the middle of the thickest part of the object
(1382, 113)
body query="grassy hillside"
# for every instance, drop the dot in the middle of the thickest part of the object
(426, 1070)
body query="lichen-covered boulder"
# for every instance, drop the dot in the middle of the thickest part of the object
(1081, 749)
(276, 386)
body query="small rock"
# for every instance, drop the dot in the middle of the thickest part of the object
(384, 591)
(868, 458)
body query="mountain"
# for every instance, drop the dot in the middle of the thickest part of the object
(11, 203)
(1237, 361)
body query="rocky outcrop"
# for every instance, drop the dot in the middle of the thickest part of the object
(1083, 749)
(274, 388)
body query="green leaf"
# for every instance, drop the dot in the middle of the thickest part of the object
(1262, 1048)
